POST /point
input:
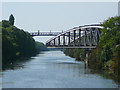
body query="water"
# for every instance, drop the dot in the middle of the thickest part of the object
(52, 69)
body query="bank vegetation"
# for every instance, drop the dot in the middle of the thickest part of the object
(106, 57)
(16, 43)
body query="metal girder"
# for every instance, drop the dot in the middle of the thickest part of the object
(78, 37)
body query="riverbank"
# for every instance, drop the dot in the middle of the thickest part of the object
(106, 57)
(16, 43)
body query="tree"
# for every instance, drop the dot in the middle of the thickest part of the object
(11, 19)
(5, 23)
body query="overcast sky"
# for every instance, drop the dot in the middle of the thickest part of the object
(46, 16)
(57, 16)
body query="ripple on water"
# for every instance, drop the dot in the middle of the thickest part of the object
(52, 69)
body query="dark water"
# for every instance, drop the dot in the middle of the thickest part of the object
(52, 69)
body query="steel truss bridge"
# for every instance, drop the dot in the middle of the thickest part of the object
(85, 37)
(78, 37)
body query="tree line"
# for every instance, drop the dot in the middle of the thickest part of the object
(106, 56)
(16, 43)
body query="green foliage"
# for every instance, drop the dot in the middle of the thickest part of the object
(111, 32)
(79, 54)
(11, 19)
(5, 23)
(93, 61)
(106, 56)
(107, 53)
(40, 46)
(16, 43)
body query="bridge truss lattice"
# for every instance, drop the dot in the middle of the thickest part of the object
(78, 37)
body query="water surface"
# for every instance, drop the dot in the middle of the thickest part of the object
(52, 69)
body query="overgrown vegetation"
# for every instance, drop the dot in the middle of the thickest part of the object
(16, 43)
(79, 54)
(106, 56)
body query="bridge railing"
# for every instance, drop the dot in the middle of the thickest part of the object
(44, 33)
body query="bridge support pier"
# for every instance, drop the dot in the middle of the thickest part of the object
(86, 59)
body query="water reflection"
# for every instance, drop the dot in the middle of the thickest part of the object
(52, 69)
(17, 65)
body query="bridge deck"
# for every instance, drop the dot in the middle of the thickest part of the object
(45, 33)
(83, 47)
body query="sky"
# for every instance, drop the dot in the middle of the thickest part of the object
(46, 16)
(57, 16)
(60, 0)
(119, 8)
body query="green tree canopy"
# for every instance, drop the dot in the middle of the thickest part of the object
(11, 19)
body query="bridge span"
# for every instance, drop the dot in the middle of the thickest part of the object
(44, 33)
(86, 36)
(78, 37)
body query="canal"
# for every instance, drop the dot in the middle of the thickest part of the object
(52, 69)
